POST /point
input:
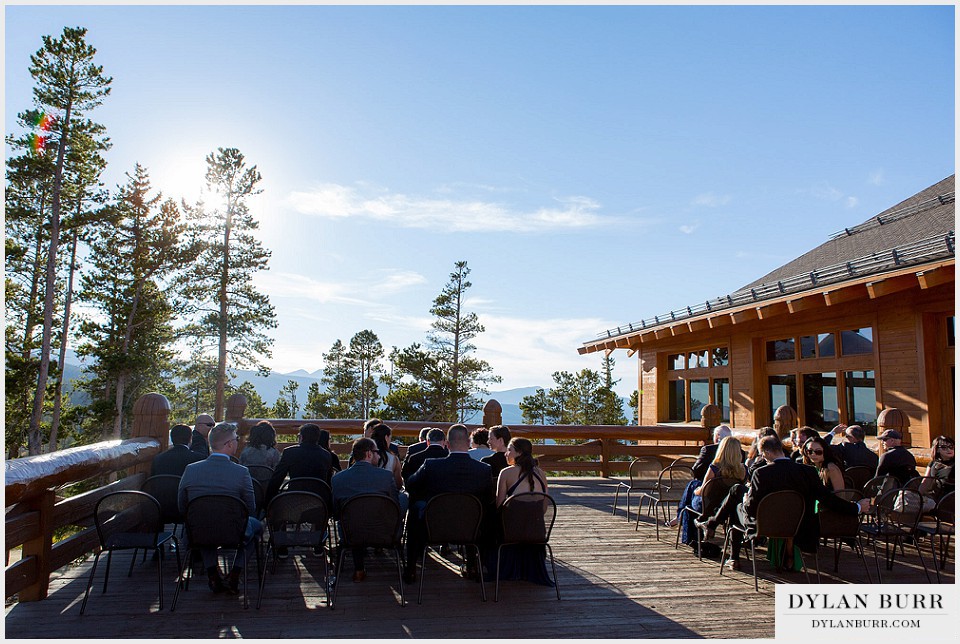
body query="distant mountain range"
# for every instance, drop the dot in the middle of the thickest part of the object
(269, 388)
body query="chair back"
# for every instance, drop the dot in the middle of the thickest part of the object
(857, 476)
(684, 460)
(714, 492)
(528, 518)
(125, 513)
(453, 518)
(847, 494)
(262, 473)
(674, 478)
(216, 520)
(297, 511)
(309, 484)
(946, 511)
(164, 488)
(371, 520)
(834, 524)
(901, 508)
(878, 485)
(645, 469)
(929, 486)
(780, 513)
(259, 496)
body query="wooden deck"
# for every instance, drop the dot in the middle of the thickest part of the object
(615, 582)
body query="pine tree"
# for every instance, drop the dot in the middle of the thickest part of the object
(366, 352)
(232, 315)
(317, 402)
(418, 387)
(289, 393)
(340, 379)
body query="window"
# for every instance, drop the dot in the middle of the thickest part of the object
(678, 401)
(783, 391)
(688, 391)
(826, 345)
(781, 350)
(861, 396)
(721, 356)
(820, 402)
(721, 396)
(856, 342)
(808, 346)
(699, 396)
(677, 361)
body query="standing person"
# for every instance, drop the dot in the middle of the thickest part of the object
(478, 444)
(364, 477)
(175, 460)
(498, 439)
(261, 446)
(217, 474)
(386, 459)
(201, 428)
(305, 459)
(854, 451)
(896, 460)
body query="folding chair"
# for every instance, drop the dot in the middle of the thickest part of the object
(453, 519)
(897, 515)
(842, 528)
(669, 489)
(527, 518)
(297, 520)
(943, 528)
(643, 477)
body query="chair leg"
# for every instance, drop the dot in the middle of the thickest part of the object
(423, 571)
(185, 568)
(159, 573)
(933, 551)
(496, 594)
(403, 601)
(93, 571)
(556, 582)
(106, 575)
(263, 577)
(753, 557)
(816, 562)
(336, 583)
(483, 592)
(922, 562)
(876, 559)
(616, 497)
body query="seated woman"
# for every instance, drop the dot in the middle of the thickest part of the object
(261, 446)
(527, 562)
(728, 463)
(942, 458)
(817, 452)
(387, 460)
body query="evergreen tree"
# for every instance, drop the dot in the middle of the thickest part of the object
(635, 407)
(366, 352)
(195, 394)
(418, 388)
(317, 402)
(536, 408)
(232, 315)
(340, 379)
(67, 85)
(289, 393)
(281, 408)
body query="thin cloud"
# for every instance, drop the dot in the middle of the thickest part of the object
(689, 229)
(294, 285)
(711, 200)
(852, 202)
(448, 214)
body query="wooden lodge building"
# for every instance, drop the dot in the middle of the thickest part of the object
(861, 323)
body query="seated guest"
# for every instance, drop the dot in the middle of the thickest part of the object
(941, 468)
(817, 453)
(782, 473)
(854, 451)
(803, 435)
(456, 472)
(755, 456)
(325, 444)
(478, 444)
(174, 460)
(364, 477)
(709, 452)
(498, 438)
(305, 459)
(201, 428)
(420, 445)
(726, 464)
(436, 448)
(217, 474)
(261, 446)
(522, 475)
(896, 460)
(386, 460)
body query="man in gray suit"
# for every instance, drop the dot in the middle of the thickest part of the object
(217, 474)
(364, 477)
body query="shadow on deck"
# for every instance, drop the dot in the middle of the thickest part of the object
(616, 582)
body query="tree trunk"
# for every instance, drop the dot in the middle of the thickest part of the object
(31, 320)
(57, 400)
(124, 375)
(222, 352)
(34, 440)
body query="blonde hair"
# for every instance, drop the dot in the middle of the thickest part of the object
(729, 459)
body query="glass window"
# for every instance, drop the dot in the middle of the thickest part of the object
(826, 345)
(703, 358)
(721, 357)
(783, 391)
(721, 396)
(820, 402)
(861, 395)
(699, 396)
(677, 397)
(677, 361)
(856, 342)
(808, 346)
(780, 350)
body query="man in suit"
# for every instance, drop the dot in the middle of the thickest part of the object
(420, 445)
(709, 452)
(853, 450)
(457, 472)
(305, 459)
(201, 428)
(364, 477)
(498, 439)
(896, 459)
(175, 460)
(217, 474)
(435, 449)
(781, 473)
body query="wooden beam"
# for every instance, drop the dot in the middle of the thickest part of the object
(623, 343)
(770, 310)
(745, 315)
(890, 286)
(722, 319)
(663, 333)
(648, 336)
(607, 352)
(845, 294)
(698, 325)
(812, 301)
(936, 277)
(631, 352)
(677, 329)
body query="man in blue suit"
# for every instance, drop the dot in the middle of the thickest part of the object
(217, 474)
(458, 472)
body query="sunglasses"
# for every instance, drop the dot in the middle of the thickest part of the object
(815, 451)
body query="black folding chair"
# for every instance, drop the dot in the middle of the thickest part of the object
(671, 483)
(842, 528)
(261, 473)
(643, 477)
(527, 518)
(942, 528)
(453, 519)
(164, 488)
(297, 520)
(897, 514)
(712, 494)
(856, 476)
(128, 520)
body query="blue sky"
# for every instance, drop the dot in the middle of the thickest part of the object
(594, 165)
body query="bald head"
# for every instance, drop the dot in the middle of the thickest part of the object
(204, 424)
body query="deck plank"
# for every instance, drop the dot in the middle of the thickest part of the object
(615, 582)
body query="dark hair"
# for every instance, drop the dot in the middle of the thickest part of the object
(770, 444)
(381, 436)
(370, 424)
(181, 434)
(423, 433)
(828, 455)
(480, 436)
(360, 448)
(309, 434)
(524, 458)
(501, 431)
(755, 446)
(938, 443)
(809, 432)
(324, 439)
(435, 435)
(262, 434)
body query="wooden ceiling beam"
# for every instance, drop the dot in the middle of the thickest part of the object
(771, 310)
(936, 277)
(845, 294)
(813, 301)
(891, 285)
(623, 343)
(746, 315)
(698, 325)
(648, 336)
(663, 333)
(678, 329)
(723, 319)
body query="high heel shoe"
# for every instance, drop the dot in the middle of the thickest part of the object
(672, 523)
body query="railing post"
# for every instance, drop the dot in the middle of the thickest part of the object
(151, 418)
(893, 418)
(236, 407)
(40, 546)
(605, 458)
(492, 414)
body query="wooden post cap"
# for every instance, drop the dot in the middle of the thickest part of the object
(492, 413)
(785, 419)
(151, 404)
(710, 416)
(236, 406)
